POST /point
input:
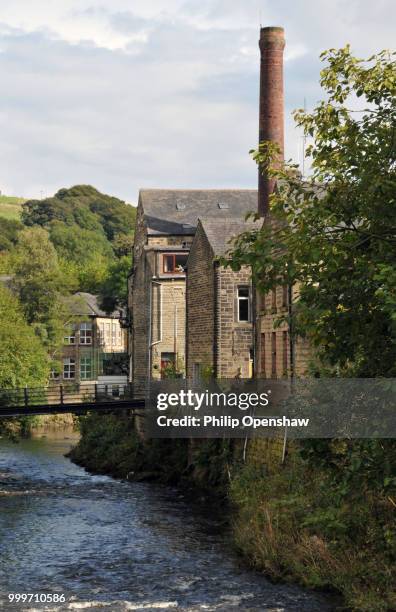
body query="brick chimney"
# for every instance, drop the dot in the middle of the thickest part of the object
(271, 43)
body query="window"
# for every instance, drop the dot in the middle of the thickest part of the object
(285, 338)
(273, 300)
(243, 304)
(107, 336)
(285, 296)
(263, 360)
(101, 333)
(85, 368)
(113, 332)
(196, 371)
(70, 337)
(69, 368)
(173, 263)
(168, 364)
(273, 354)
(86, 333)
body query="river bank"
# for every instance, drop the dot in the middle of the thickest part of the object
(320, 523)
(116, 545)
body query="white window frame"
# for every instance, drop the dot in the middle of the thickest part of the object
(85, 368)
(107, 333)
(69, 368)
(102, 333)
(240, 299)
(113, 333)
(70, 338)
(85, 338)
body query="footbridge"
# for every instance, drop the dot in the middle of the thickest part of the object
(69, 398)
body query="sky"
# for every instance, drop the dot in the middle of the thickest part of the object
(130, 94)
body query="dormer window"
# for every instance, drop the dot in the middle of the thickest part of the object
(173, 263)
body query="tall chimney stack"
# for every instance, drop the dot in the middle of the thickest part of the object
(272, 43)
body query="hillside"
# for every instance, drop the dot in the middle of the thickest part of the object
(10, 207)
(92, 233)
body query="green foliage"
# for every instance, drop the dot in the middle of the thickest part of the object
(114, 289)
(9, 229)
(23, 359)
(109, 444)
(39, 284)
(92, 233)
(84, 206)
(88, 254)
(308, 522)
(334, 234)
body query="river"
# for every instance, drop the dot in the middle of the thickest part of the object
(112, 545)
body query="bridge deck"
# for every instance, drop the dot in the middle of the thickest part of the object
(70, 397)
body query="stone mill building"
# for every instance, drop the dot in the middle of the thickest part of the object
(189, 315)
(166, 224)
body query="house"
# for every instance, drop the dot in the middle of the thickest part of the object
(95, 344)
(166, 223)
(219, 303)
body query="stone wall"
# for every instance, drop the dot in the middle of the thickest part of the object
(215, 339)
(168, 323)
(273, 355)
(234, 339)
(200, 307)
(157, 306)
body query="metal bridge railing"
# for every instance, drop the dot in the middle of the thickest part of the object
(68, 393)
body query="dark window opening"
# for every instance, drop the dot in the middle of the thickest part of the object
(285, 296)
(285, 339)
(243, 305)
(262, 351)
(273, 354)
(273, 294)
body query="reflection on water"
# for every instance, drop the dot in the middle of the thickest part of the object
(111, 545)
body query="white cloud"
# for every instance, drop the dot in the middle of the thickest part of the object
(130, 93)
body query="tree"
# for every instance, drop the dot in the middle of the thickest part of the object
(39, 284)
(23, 359)
(9, 229)
(89, 230)
(114, 290)
(84, 206)
(335, 234)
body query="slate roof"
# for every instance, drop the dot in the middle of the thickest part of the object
(219, 232)
(176, 211)
(86, 304)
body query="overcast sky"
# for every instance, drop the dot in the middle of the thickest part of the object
(124, 94)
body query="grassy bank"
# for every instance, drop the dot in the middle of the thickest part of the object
(109, 445)
(325, 519)
(301, 523)
(10, 207)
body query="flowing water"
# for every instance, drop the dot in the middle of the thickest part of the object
(112, 545)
